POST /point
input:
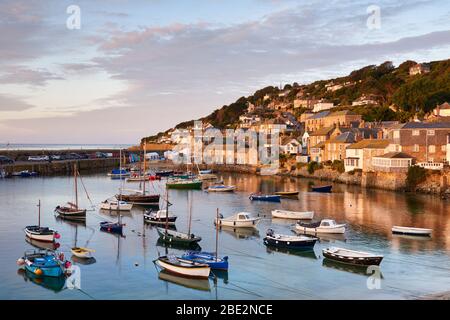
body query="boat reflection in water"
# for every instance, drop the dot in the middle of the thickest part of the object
(221, 274)
(197, 284)
(72, 222)
(362, 270)
(324, 237)
(55, 284)
(305, 253)
(42, 244)
(83, 261)
(241, 233)
(179, 245)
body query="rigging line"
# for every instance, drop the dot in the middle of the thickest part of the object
(84, 187)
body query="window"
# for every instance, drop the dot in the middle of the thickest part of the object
(430, 132)
(431, 149)
(444, 148)
(416, 132)
(416, 148)
(396, 134)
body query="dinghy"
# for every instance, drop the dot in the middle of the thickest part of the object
(83, 253)
(323, 226)
(352, 257)
(184, 184)
(207, 176)
(288, 241)
(43, 234)
(412, 231)
(265, 197)
(297, 215)
(43, 263)
(111, 227)
(182, 267)
(324, 189)
(173, 236)
(287, 193)
(239, 220)
(116, 205)
(221, 188)
(208, 258)
(71, 210)
(160, 217)
(119, 174)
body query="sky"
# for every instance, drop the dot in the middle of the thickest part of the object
(130, 69)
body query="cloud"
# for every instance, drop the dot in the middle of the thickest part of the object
(11, 103)
(23, 75)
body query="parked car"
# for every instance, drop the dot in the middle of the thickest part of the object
(101, 155)
(5, 160)
(73, 156)
(38, 158)
(84, 156)
(55, 157)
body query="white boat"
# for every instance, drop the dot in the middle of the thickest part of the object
(323, 226)
(297, 215)
(239, 220)
(83, 253)
(41, 233)
(358, 258)
(115, 205)
(183, 267)
(221, 188)
(411, 231)
(160, 217)
(207, 176)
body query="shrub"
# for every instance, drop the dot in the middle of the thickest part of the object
(313, 166)
(338, 165)
(415, 176)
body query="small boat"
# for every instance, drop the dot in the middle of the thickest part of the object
(288, 241)
(111, 227)
(164, 173)
(137, 178)
(43, 234)
(324, 189)
(221, 188)
(119, 174)
(71, 210)
(412, 231)
(207, 258)
(207, 176)
(297, 215)
(116, 205)
(287, 193)
(322, 226)
(352, 257)
(25, 174)
(265, 197)
(184, 184)
(182, 267)
(239, 220)
(83, 253)
(160, 217)
(173, 236)
(209, 171)
(43, 263)
(139, 197)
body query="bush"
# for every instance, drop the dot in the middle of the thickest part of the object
(313, 166)
(338, 165)
(415, 176)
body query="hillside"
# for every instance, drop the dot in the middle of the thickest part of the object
(396, 95)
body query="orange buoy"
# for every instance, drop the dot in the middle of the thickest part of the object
(38, 272)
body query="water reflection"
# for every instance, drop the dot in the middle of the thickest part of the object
(240, 233)
(310, 254)
(55, 284)
(83, 261)
(361, 270)
(179, 245)
(42, 244)
(197, 284)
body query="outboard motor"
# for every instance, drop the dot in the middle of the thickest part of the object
(269, 232)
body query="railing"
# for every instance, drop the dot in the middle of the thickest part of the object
(431, 165)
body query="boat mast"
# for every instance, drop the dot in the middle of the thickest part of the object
(121, 184)
(76, 184)
(190, 212)
(167, 210)
(217, 235)
(145, 152)
(39, 213)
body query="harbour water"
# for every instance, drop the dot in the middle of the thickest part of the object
(124, 269)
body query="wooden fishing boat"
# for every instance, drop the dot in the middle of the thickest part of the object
(160, 217)
(352, 257)
(324, 189)
(239, 220)
(139, 197)
(221, 188)
(184, 184)
(322, 226)
(83, 253)
(207, 176)
(43, 263)
(185, 268)
(71, 210)
(265, 197)
(297, 215)
(111, 227)
(173, 236)
(208, 258)
(287, 193)
(116, 205)
(43, 234)
(412, 231)
(288, 241)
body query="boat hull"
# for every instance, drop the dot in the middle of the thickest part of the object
(200, 272)
(287, 193)
(274, 198)
(300, 244)
(324, 189)
(68, 213)
(172, 236)
(239, 224)
(284, 214)
(115, 207)
(412, 231)
(185, 186)
(111, 227)
(221, 189)
(332, 230)
(160, 221)
(207, 258)
(355, 261)
(140, 199)
(34, 235)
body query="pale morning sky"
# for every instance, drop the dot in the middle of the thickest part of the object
(138, 67)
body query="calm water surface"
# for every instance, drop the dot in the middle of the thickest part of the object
(124, 267)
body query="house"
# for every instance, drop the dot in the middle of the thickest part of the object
(419, 68)
(364, 101)
(321, 106)
(318, 136)
(290, 146)
(250, 107)
(359, 155)
(442, 110)
(316, 121)
(152, 156)
(246, 121)
(343, 118)
(317, 151)
(392, 162)
(273, 124)
(424, 141)
(305, 103)
(335, 147)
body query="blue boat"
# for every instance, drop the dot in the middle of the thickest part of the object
(265, 197)
(322, 188)
(111, 227)
(42, 264)
(207, 258)
(119, 173)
